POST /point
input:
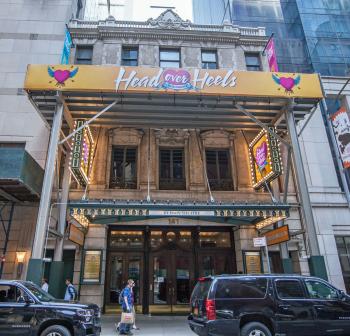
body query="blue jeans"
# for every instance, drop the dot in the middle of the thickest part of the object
(125, 328)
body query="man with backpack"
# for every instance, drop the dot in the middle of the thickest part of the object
(125, 299)
(71, 292)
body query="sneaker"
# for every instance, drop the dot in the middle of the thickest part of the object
(135, 328)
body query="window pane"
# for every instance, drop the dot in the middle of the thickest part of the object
(224, 164)
(178, 164)
(165, 164)
(166, 64)
(160, 279)
(169, 55)
(209, 56)
(129, 62)
(252, 60)
(10, 293)
(171, 169)
(208, 65)
(240, 289)
(129, 53)
(123, 168)
(129, 239)
(211, 164)
(289, 289)
(319, 290)
(214, 239)
(156, 239)
(84, 55)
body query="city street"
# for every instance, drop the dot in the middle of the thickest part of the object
(150, 325)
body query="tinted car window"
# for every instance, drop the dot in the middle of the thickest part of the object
(241, 289)
(319, 290)
(289, 289)
(10, 293)
(201, 290)
(39, 293)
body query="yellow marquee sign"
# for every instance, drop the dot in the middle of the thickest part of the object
(224, 82)
(265, 159)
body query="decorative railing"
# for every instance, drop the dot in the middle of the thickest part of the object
(111, 23)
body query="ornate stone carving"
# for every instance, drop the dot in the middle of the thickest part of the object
(169, 20)
(172, 137)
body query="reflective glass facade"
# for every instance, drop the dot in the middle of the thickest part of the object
(310, 35)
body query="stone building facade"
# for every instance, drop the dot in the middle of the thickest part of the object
(30, 32)
(150, 150)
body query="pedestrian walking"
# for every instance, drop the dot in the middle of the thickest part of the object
(71, 292)
(45, 285)
(127, 308)
(133, 306)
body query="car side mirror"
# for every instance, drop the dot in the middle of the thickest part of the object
(343, 296)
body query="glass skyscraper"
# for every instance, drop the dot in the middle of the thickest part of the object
(310, 35)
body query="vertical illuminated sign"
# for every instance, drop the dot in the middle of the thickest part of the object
(82, 154)
(265, 159)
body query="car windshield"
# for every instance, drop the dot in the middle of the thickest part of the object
(39, 293)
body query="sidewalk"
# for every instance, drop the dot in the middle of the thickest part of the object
(150, 325)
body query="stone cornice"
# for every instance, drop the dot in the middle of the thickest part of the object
(171, 29)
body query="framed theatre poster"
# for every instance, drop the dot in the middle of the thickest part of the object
(252, 262)
(91, 270)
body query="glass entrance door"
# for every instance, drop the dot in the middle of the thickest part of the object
(121, 267)
(171, 280)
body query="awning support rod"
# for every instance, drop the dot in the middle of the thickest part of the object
(308, 120)
(286, 178)
(262, 125)
(88, 122)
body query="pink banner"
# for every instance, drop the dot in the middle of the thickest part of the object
(271, 56)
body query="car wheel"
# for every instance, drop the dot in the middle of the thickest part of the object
(56, 330)
(255, 329)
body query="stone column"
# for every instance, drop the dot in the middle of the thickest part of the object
(196, 173)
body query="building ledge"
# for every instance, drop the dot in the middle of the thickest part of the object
(21, 177)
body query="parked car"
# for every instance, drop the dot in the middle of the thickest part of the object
(265, 305)
(26, 310)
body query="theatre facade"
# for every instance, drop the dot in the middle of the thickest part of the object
(186, 157)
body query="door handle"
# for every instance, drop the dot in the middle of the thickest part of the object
(284, 306)
(319, 307)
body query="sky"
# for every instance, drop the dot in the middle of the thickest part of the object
(136, 10)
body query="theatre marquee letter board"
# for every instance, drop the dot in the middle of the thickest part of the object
(91, 271)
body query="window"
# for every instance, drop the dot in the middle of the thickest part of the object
(252, 61)
(289, 289)
(130, 56)
(171, 169)
(209, 59)
(127, 239)
(169, 58)
(343, 246)
(83, 55)
(319, 290)
(123, 168)
(241, 289)
(11, 294)
(218, 169)
(214, 239)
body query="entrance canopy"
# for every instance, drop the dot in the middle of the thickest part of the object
(114, 212)
(146, 97)
(171, 98)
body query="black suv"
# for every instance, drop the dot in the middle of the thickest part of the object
(26, 310)
(265, 305)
